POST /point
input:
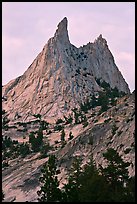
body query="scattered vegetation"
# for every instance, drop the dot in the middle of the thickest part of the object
(70, 136)
(127, 150)
(59, 121)
(114, 128)
(119, 132)
(106, 98)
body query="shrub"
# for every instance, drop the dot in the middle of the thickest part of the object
(58, 128)
(114, 128)
(59, 121)
(127, 150)
(119, 132)
(70, 136)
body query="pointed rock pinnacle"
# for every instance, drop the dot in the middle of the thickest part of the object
(62, 32)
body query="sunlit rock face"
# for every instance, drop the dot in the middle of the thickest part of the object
(61, 77)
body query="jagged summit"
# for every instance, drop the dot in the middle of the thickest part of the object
(63, 24)
(62, 77)
(100, 39)
(62, 32)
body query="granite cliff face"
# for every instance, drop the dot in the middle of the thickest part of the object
(61, 77)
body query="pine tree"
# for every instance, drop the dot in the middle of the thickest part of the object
(70, 136)
(116, 175)
(93, 186)
(73, 185)
(63, 141)
(49, 191)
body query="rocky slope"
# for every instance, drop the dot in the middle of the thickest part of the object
(20, 179)
(61, 77)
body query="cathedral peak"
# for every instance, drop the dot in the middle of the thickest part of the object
(62, 32)
(63, 24)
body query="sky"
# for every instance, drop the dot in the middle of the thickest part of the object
(27, 26)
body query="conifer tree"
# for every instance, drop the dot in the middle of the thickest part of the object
(73, 185)
(49, 191)
(63, 135)
(116, 175)
(70, 136)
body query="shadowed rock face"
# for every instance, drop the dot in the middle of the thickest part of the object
(61, 77)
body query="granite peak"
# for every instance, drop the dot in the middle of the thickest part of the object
(62, 77)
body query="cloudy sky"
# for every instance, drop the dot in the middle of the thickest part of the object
(27, 26)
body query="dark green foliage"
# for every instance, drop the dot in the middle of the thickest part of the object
(58, 128)
(131, 189)
(70, 136)
(49, 191)
(5, 122)
(96, 120)
(114, 128)
(117, 168)
(37, 116)
(59, 121)
(44, 125)
(93, 186)
(115, 92)
(111, 93)
(44, 150)
(12, 148)
(85, 122)
(85, 106)
(22, 124)
(62, 137)
(129, 119)
(49, 132)
(119, 132)
(24, 149)
(98, 81)
(68, 120)
(116, 175)
(3, 112)
(77, 71)
(107, 120)
(93, 101)
(7, 142)
(105, 85)
(71, 189)
(36, 142)
(5, 164)
(103, 101)
(31, 136)
(121, 145)
(113, 101)
(127, 150)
